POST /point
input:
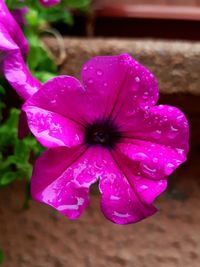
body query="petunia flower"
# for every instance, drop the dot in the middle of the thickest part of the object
(49, 3)
(105, 129)
(13, 51)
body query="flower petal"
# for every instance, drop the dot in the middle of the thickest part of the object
(155, 161)
(65, 96)
(52, 129)
(121, 83)
(62, 177)
(61, 102)
(19, 76)
(7, 44)
(149, 190)
(15, 32)
(62, 97)
(49, 3)
(161, 124)
(120, 202)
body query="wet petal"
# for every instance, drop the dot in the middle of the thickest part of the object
(7, 44)
(161, 124)
(121, 83)
(65, 96)
(15, 32)
(62, 177)
(155, 161)
(19, 76)
(52, 129)
(120, 202)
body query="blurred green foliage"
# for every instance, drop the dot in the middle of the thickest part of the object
(16, 156)
(1, 257)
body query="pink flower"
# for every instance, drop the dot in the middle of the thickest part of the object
(13, 50)
(19, 15)
(49, 3)
(108, 129)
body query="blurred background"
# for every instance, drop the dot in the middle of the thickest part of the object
(171, 19)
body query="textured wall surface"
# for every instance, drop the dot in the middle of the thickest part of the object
(175, 64)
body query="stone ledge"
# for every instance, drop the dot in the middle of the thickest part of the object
(175, 64)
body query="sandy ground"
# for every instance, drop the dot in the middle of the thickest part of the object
(40, 237)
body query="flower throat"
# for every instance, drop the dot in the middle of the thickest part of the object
(104, 133)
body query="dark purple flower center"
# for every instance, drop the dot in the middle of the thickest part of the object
(103, 132)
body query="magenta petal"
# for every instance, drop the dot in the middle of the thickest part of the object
(23, 129)
(121, 83)
(149, 190)
(62, 177)
(7, 44)
(15, 32)
(19, 76)
(161, 124)
(155, 161)
(120, 202)
(52, 129)
(49, 3)
(19, 15)
(52, 112)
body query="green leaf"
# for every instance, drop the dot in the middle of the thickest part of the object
(77, 3)
(2, 257)
(7, 178)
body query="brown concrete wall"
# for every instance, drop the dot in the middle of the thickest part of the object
(175, 64)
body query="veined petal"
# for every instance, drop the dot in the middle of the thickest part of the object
(120, 202)
(62, 177)
(7, 44)
(154, 160)
(14, 30)
(52, 129)
(121, 83)
(164, 125)
(19, 76)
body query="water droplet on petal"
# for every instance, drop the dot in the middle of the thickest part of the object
(105, 84)
(90, 81)
(99, 72)
(155, 160)
(137, 79)
(157, 134)
(173, 132)
(144, 187)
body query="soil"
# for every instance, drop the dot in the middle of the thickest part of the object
(41, 237)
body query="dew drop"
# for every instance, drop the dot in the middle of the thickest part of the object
(157, 134)
(137, 79)
(155, 160)
(90, 81)
(105, 84)
(99, 72)
(173, 132)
